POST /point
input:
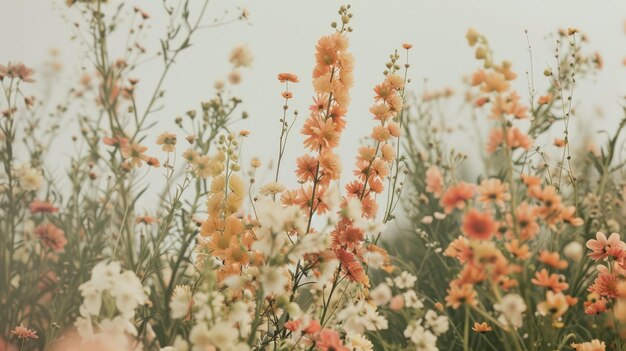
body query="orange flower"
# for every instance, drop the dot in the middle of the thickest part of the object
(479, 225)
(545, 99)
(595, 307)
(568, 215)
(457, 196)
(459, 295)
(353, 269)
(288, 77)
(522, 252)
(593, 345)
(481, 327)
(306, 168)
(550, 281)
(526, 221)
(493, 191)
(552, 259)
(347, 236)
(287, 95)
(320, 133)
(605, 285)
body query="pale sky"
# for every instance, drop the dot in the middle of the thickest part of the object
(282, 36)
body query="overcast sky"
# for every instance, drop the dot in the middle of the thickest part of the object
(282, 36)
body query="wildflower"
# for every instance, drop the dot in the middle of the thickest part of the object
(511, 307)
(459, 295)
(358, 342)
(17, 71)
(397, 303)
(352, 267)
(51, 236)
(181, 302)
(573, 251)
(287, 95)
(202, 166)
(29, 178)
(23, 333)
(320, 133)
(552, 259)
(438, 324)
(272, 188)
(595, 307)
(605, 284)
(457, 196)
(328, 340)
(153, 162)
(422, 338)
(479, 225)
(288, 77)
(405, 280)
(407, 46)
(134, 153)
(555, 304)
(493, 191)
(116, 141)
(481, 327)
(550, 281)
(602, 247)
(381, 294)
(545, 99)
(274, 281)
(241, 56)
(168, 140)
(38, 206)
(593, 345)
(411, 300)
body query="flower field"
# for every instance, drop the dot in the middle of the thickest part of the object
(176, 233)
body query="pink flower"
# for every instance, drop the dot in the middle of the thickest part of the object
(329, 340)
(24, 333)
(602, 247)
(51, 236)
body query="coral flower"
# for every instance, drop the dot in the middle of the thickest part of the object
(457, 196)
(550, 281)
(481, 327)
(353, 269)
(24, 333)
(595, 307)
(605, 285)
(51, 236)
(328, 340)
(545, 99)
(458, 295)
(38, 206)
(134, 153)
(602, 247)
(479, 225)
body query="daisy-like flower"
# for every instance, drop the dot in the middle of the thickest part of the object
(552, 259)
(51, 236)
(23, 333)
(605, 284)
(602, 246)
(481, 327)
(479, 225)
(351, 266)
(241, 56)
(168, 142)
(512, 308)
(555, 305)
(405, 280)
(320, 133)
(287, 77)
(134, 153)
(550, 281)
(493, 191)
(457, 196)
(593, 345)
(459, 295)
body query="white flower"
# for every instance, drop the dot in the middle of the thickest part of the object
(381, 294)
(438, 324)
(512, 308)
(223, 335)
(240, 316)
(411, 300)
(271, 189)
(358, 342)
(103, 275)
(372, 320)
(423, 339)
(273, 280)
(28, 177)
(573, 251)
(405, 280)
(92, 299)
(118, 326)
(353, 209)
(128, 293)
(199, 335)
(181, 301)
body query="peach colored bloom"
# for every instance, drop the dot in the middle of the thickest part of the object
(481, 327)
(434, 181)
(545, 99)
(328, 340)
(593, 345)
(288, 77)
(459, 295)
(397, 303)
(555, 305)
(24, 333)
(493, 191)
(51, 236)
(602, 247)
(605, 285)
(353, 269)
(135, 154)
(168, 141)
(313, 327)
(457, 196)
(319, 133)
(550, 281)
(552, 259)
(479, 225)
